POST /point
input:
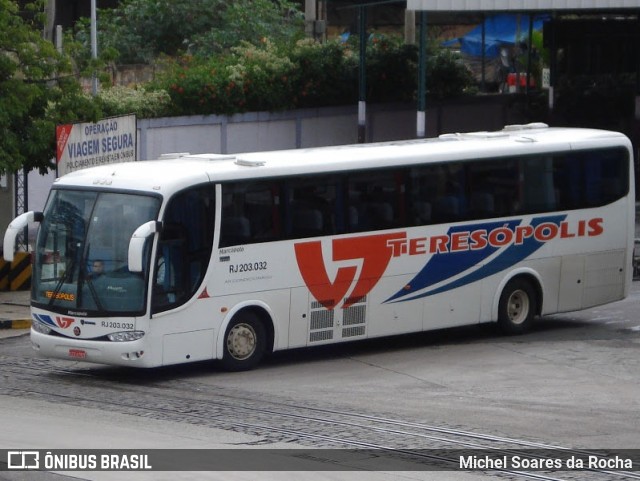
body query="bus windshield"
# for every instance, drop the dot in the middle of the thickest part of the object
(82, 249)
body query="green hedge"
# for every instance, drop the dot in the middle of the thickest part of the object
(310, 74)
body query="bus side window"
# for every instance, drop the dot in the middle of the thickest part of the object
(421, 213)
(450, 204)
(481, 205)
(540, 189)
(615, 175)
(376, 200)
(250, 213)
(236, 229)
(313, 206)
(421, 192)
(262, 209)
(494, 188)
(592, 178)
(307, 222)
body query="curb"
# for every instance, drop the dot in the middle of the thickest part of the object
(15, 324)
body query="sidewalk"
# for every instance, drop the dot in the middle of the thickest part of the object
(15, 317)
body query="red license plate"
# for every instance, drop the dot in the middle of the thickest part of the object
(77, 353)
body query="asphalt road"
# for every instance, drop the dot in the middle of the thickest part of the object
(573, 382)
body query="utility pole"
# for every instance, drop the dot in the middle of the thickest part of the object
(362, 76)
(94, 46)
(421, 119)
(50, 14)
(315, 23)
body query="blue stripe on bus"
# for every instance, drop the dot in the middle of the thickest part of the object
(446, 265)
(45, 319)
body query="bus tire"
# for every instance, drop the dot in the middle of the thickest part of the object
(517, 307)
(244, 342)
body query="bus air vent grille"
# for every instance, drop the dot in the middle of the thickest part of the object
(320, 336)
(321, 304)
(321, 320)
(356, 300)
(354, 315)
(353, 331)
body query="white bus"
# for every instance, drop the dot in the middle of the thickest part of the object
(230, 257)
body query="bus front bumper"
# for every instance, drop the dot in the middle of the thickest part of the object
(128, 353)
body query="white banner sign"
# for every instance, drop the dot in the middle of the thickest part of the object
(84, 145)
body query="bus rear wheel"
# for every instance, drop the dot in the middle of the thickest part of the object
(244, 342)
(517, 307)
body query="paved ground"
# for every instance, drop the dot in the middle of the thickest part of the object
(574, 381)
(15, 318)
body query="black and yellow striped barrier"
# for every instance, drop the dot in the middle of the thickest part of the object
(15, 323)
(16, 275)
(5, 268)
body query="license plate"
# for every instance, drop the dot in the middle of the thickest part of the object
(77, 353)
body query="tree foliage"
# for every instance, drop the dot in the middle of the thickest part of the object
(268, 77)
(140, 31)
(251, 21)
(220, 57)
(37, 90)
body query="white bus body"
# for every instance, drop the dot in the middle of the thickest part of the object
(227, 257)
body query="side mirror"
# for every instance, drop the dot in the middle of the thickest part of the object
(136, 244)
(16, 226)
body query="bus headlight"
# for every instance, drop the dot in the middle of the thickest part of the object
(40, 327)
(125, 336)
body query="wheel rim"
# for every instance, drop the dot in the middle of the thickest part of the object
(242, 341)
(518, 306)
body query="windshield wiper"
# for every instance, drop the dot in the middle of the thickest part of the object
(86, 277)
(60, 283)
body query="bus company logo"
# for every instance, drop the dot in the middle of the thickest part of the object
(463, 255)
(61, 322)
(373, 250)
(64, 322)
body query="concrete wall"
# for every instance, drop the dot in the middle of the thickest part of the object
(311, 127)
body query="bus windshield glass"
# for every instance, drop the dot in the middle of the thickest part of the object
(82, 251)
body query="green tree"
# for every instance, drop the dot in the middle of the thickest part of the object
(140, 31)
(251, 21)
(37, 90)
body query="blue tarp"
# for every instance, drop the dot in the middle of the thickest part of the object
(500, 30)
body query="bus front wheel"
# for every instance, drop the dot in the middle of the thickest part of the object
(244, 342)
(517, 307)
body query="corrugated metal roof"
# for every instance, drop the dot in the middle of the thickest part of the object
(520, 5)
